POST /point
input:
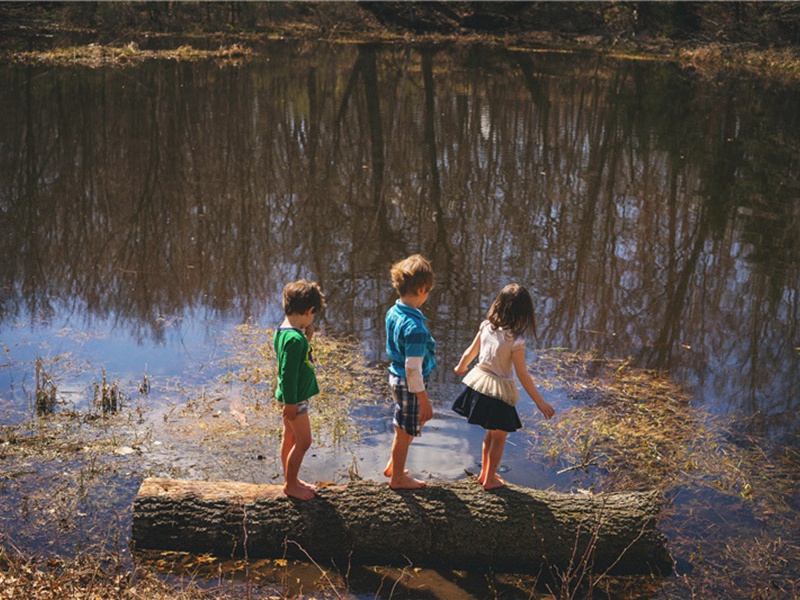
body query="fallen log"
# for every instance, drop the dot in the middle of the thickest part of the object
(454, 524)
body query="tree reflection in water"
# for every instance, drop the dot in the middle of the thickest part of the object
(654, 214)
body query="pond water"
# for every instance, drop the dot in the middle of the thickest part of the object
(654, 214)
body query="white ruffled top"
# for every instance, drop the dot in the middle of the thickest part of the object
(494, 373)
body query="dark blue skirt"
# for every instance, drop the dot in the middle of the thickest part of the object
(488, 412)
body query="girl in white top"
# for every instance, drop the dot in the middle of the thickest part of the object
(490, 396)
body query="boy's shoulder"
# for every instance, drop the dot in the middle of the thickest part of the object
(406, 319)
(403, 312)
(288, 334)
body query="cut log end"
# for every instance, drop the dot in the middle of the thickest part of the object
(453, 524)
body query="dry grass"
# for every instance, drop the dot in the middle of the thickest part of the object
(94, 55)
(240, 408)
(732, 520)
(345, 380)
(725, 60)
(93, 578)
(22, 577)
(637, 426)
(712, 60)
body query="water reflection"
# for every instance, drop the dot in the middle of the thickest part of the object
(654, 215)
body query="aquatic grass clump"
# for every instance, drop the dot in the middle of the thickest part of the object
(641, 429)
(217, 430)
(345, 380)
(50, 375)
(733, 498)
(635, 425)
(46, 392)
(107, 397)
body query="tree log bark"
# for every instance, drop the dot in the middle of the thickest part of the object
(455, 524)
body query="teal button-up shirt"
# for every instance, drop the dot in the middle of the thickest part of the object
(407, 335)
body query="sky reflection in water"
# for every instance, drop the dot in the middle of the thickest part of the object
(145, 212)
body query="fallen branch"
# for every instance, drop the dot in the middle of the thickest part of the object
(455, 524)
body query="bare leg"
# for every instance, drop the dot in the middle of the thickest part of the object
(287, 444)
(388, 470)
(303, 435)
(498, 444)
(487, 444)
(300, 429)
(397, 463)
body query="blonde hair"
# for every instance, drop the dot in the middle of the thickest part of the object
(513, 311)
(301, 295)
(411, 275)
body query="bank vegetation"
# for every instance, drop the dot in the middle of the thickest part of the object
(715, 38)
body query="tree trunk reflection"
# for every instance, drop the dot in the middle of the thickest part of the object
(651, 213)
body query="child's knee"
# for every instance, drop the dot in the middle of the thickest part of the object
(402, 437)
(304, 441)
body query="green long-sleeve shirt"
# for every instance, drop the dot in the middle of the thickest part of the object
(296, 378)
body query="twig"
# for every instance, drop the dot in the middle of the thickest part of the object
(313, 562)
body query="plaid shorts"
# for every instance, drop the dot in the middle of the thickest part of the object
(406, 407)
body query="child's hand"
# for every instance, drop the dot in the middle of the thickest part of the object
(290, 412)
(309, 331)
(547, 410)
(425, 412)
(425, 408)
(459, 370)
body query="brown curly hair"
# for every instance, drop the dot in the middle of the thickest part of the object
(411, 275)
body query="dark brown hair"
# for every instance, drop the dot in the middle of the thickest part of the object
(412, 274)
(513, 311)
(301, 295)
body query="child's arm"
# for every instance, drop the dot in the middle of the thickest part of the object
(518, 358)
(469, 355)
(289, 361)
(425, 408)
(416, 385)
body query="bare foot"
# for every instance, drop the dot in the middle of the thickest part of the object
(493, 483)
(404, 482)
(296, 490)
(307, 485)
(482, 478)
(388, 471)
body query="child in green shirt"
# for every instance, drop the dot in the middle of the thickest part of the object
(297, 381)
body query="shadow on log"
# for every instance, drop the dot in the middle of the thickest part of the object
(454, 524)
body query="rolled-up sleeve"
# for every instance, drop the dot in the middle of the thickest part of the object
(414, 378)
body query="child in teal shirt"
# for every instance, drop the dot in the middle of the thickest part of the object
(411, 350)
